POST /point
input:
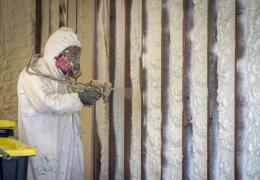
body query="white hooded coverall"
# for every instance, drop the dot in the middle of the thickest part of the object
(48, 116)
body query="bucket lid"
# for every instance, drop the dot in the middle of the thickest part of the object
(6, 124)
(14, 148)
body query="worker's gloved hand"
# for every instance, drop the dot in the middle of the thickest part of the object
(89, 97)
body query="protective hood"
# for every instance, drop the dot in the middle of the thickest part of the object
(58, 41)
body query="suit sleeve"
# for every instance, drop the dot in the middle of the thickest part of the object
(41, 95)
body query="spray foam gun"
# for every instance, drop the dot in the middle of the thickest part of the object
(104, 88)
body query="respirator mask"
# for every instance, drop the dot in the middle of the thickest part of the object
(68, 61)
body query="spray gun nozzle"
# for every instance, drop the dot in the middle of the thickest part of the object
(105, 88)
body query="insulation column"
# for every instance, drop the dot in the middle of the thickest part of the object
(117, 71)
(102, 73)
(135, 68)
(152, 92)
(225, 50)
(252, 89)
(199, 89)
(247, 90)
(171, 72)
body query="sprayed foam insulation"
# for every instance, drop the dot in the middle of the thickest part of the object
(173, 132)
(199, 89)
(118, 97)
(251, 85)
(17, 45)
(45, 5)
(50, 19)
(152, 66)
(151, 61)
(135, 57)
(102, 50)
(225, 51)
(53, 15)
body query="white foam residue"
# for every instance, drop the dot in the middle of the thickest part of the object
(226, 83)
(152, 64)
(199, 89)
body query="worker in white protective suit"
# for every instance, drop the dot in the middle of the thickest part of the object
(49, 113)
